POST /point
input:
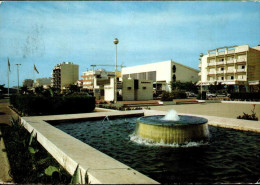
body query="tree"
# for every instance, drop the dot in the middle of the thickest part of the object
(73, 88)
(185, 86)
(24, 89)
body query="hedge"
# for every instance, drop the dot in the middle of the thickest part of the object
(245, 96)
(176, 94)
(41, 105)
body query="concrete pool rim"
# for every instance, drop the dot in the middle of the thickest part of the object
(64, 147)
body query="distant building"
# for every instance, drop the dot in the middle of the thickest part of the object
(161, 74)
(64, 74)
(96, 80)
(237, 67)
(45, 82)
(28, 83)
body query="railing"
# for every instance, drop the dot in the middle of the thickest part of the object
(241, 60)
(231, 51)
(241, 70)
(199, 74)
(220, 72)
(230, 61)
(212, 54)
(211, 64)
(212, 73)
(230, 71)
(221, 53)
(220, 63)
(199, 65)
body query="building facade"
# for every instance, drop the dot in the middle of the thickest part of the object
(64, 74)
(137, 90)
(161, 74)
(96, 80)
(235, 66)
(45, 82)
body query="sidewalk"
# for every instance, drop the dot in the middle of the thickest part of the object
(5, 115)
(5, 112)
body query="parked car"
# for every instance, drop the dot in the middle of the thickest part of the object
(211, 95)
(190, 94)
(221, 95)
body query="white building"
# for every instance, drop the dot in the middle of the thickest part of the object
(137, 89)
(236, 66)
(162, 73)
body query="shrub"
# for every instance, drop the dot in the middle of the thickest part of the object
(28, 159)
(248, 116)
(245, 96)
(41, 105)
(179, 94)
(176, 94)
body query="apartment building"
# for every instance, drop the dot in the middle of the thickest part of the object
(161, 73)
(64, 74)
(95, 81)
(236, 66)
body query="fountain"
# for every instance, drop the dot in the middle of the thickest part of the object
(172, 129)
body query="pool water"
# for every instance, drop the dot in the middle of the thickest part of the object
(230, 156)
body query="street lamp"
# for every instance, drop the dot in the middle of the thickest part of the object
(18, 76)
(116, 41)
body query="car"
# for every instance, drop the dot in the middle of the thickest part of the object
(221, 95)
(211, 95)
(190, 94)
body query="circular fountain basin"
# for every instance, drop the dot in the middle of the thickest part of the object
(187, 129)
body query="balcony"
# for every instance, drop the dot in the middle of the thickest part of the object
(211, 73)
(199, 65)
(231, 51)
(220, 63)
(230, 71)
(240, 70)
(199, 73)
(231, 61)
(211, 64)
(241, 60)
(221, 53)
(212, 54)
(220, 72)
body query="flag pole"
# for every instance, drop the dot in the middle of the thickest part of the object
(33, 74)
(8, 77)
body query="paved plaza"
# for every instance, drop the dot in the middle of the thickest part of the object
(226, 110)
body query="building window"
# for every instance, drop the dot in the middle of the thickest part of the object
(222, 69)
(243, 67)
(144, 87)
(173, 68)
(174, 78)
(222, 78)
(232, 77)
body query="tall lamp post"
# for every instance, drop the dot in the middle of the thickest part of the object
(116, 41)
(18, 76)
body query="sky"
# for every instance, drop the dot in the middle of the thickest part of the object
(51, 32)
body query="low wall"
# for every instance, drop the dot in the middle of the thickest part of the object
(242, 102)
